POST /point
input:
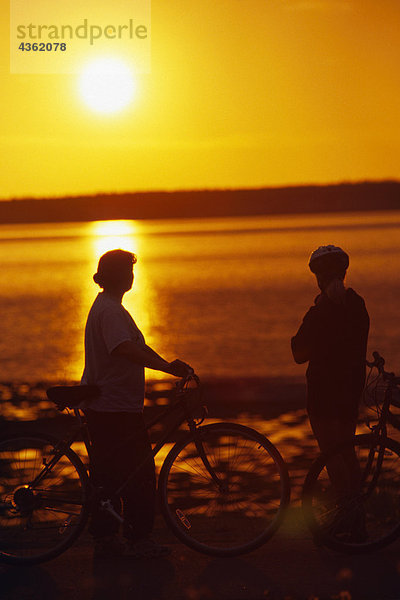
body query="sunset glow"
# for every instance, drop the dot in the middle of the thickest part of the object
(254, 94)
(106, 85)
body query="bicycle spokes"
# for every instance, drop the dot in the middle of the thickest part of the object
(226, 494)
(36, 519)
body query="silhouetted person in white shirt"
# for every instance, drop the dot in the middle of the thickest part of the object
(115, 357)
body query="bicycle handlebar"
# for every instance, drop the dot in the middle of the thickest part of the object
(379, 363)
(191, 376)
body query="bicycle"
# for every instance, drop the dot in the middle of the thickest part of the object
(369, 518)
(223, 488)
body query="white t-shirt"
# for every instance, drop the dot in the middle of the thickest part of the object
(121, 381)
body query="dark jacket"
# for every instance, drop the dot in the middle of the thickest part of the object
(333, 339)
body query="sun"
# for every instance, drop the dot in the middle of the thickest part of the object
(107, 85)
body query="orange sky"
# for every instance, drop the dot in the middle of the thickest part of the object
(241, 93)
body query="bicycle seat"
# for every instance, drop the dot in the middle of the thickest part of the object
(71, 396)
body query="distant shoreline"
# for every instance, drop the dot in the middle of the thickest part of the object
(305, 199)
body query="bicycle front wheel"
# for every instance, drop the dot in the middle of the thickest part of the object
(223, 490)
(364, 521)
(394, 409)
(43, 498)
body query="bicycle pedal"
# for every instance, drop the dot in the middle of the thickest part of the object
(183, 518)
(65, 525)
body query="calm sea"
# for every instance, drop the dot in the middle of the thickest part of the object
(224, 294)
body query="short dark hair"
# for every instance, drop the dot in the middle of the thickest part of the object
(110, 265)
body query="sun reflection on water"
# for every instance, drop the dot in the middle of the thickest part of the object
(108, 235)
(140, 302)
(210, 291)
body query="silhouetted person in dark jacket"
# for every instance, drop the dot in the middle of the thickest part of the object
(333, 340)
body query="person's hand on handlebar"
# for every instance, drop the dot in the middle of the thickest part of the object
(180, 368)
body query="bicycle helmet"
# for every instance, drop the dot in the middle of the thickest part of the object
(329, 259)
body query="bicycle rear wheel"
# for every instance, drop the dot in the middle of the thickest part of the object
(368, 520)
(236, 502)
(43, 498)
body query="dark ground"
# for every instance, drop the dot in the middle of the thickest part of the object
(288, 567)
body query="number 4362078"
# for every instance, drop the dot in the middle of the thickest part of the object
(42, 47)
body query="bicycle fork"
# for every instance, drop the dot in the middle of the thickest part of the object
(223, 488)
(378, 450)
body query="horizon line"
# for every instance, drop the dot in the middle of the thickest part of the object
(205, 189)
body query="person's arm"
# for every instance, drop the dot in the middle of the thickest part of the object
(147, 357)
(153, 352)
(302, 342)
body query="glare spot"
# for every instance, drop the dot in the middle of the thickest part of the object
(107, 85)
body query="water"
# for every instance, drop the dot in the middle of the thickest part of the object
(223, 294)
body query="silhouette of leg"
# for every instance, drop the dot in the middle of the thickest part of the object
(343, 468)
(139, 494)
(104, 436)
(121, 446)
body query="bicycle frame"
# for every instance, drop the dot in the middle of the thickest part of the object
(82, 430)
(380, 429)
(366, 516)
(188, 417)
